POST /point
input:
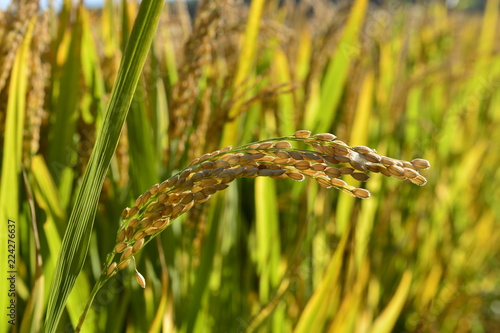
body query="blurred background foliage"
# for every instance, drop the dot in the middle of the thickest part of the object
(410, 80)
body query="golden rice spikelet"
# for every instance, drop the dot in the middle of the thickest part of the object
(295, 155)
(318, 166)
(222, 164)
(138, 201)
(282, 145)
(127, 253)
(139, 235)
(387, 160)
(163, 197)
(194, 161)
(245, 160)
(140, 279)
(342, 158)
(265, 173)
(362, 149)
(359, 176)
(137, 246)
(151, 231)
(346, 170)
(165, 213)
(324, 182)
(302, 134)
(120, 247)
(333, 172)
(395, 170)
(265, 145)
(126, 213)
(171, 181)
(123, 264)
(185, 173)
(282, 154)
(111, 269)
(325, 136)
(133, 223)
(296, 176)
(178, 209)
(312, 157)
(302, 165)
(340, 143)
(187, 198)
(227, 148)
(121, 236)
(371, 157)
(310, 173)
(420, 163)
(161, 224)
(134, 210)
(146, 222)
(385, 172)
(410, 173)
(338, 182)
(129, 232)
(419, 180)
(145, 198)
(340, 150)
(154, 189)
(361, 193)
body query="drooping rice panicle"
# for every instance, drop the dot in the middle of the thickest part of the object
(328, 161)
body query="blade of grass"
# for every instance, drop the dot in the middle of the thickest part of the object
(77, 236)
(143, 163)
(267, 236)
(62, 150)
(359, 136)
(286, 103)
(46, 195)
(316, 311)
(32, 315)
(243, 71)
(347, 317)
(12, 159)
(205, 268)
(163, 312)
(385, 322)
(337, 70)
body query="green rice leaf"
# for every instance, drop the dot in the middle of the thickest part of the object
(319, 306)
(385, 322)
(337, 70)
(76, 239)
(11, 162)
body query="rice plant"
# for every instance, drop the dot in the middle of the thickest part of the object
(98, 106)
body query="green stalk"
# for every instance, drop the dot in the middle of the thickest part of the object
(98, 285)
(102, 280)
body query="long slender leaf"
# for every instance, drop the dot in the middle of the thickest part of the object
(336, 73)
(77, 236)
(11, 170)
(244, 68)
(385, 322)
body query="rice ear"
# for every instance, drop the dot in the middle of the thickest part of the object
(329, 160)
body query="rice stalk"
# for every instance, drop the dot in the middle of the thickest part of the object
(18, 23)
(198, 50)
(40, 69)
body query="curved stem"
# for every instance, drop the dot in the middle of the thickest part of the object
(102, 280)
(98, 285)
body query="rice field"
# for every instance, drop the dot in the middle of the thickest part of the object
(256, 167)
